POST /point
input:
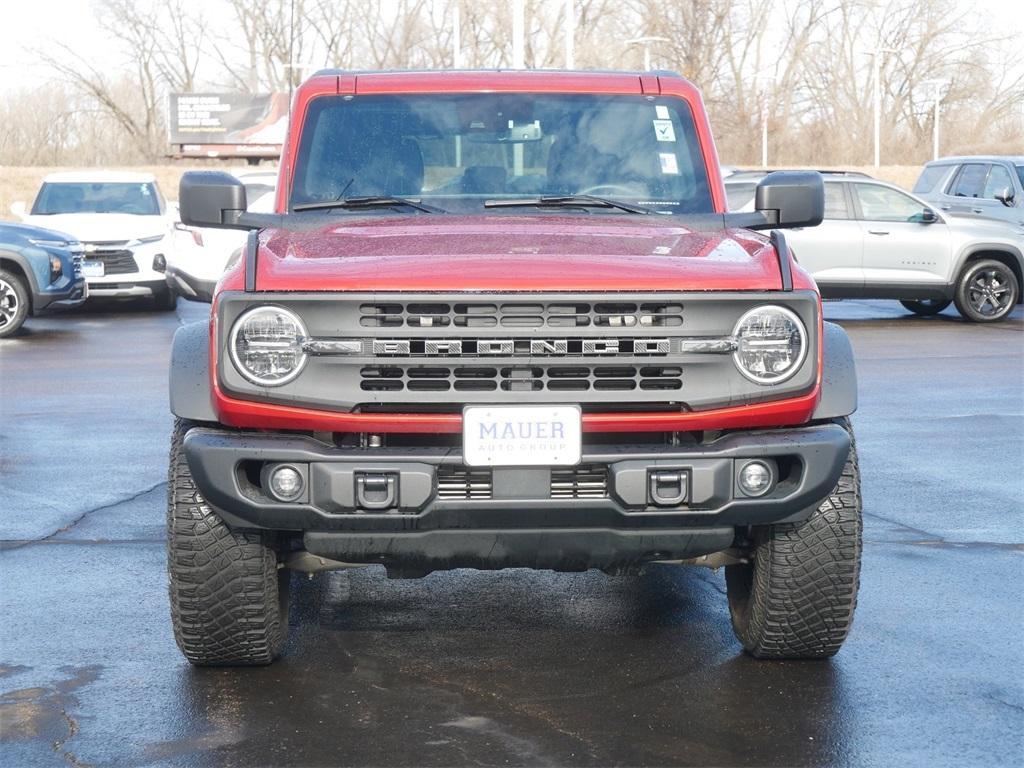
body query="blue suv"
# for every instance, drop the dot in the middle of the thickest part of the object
(39, 268)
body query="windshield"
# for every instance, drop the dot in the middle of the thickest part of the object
(100, 197)
(458, 151)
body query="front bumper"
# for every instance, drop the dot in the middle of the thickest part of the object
(70, 293)
(127, 288)
(516, 517)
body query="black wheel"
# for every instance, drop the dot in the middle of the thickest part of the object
(796, 596)
(13, 303)
(927, 307)
(229, 599)
(165, 299)
(987, 291)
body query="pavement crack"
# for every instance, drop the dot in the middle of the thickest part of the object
(67, 527)
(58, 745)
(918, 531)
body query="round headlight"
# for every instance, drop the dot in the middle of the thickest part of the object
(771, 343)
(266, 345)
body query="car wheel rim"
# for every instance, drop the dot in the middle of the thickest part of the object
(8, 303)
(989, 293)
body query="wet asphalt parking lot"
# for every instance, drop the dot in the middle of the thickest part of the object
(512, 667)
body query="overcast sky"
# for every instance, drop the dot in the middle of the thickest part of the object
(30, 24)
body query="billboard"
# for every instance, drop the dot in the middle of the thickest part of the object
(228, 118)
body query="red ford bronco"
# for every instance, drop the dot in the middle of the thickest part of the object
(502, 319)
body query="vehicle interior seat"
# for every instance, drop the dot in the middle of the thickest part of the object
(484, 180)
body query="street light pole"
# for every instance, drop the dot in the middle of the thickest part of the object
(764, 115)
(570, 34)
(457, 35)
(646, 43)
(518, 34)
(877, 77)
(938, 87)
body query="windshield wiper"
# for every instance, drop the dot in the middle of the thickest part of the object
(567, 201)
(369, 201)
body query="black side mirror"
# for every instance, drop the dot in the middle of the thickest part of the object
(211, 199)
(1005, 196)
(789, 199)
(928, 216)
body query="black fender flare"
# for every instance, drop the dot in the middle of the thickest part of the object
(189, 385)
(838, 377)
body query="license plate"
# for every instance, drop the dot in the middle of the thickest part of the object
(92, 268)
(521, 435)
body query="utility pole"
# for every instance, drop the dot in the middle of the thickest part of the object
(570, 34)
(876, 78)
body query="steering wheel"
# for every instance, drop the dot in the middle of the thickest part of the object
(612, 190)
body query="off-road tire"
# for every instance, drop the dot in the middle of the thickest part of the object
(969, 294)
(165, 299)
(796, 597)
(229, 600)
(15, 303)
(926, 308)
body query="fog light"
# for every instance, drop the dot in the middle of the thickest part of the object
(159, 263)
(286, 483)
(755, 478)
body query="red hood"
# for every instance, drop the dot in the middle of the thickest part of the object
(514, 253)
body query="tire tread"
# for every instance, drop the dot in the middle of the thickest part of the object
(225, 595)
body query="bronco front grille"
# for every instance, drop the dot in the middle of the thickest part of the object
(609, 351)
(521, 314)
(520, 378)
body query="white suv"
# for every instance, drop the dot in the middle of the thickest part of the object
(123, 222)
(200, 255)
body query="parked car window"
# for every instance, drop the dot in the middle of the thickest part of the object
(998, 180)
(970, 182)
(835, 202)
(458, 150)
(930, 176)
(99, 197)
(884, 204)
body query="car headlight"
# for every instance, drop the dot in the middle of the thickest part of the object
(771, 344)
(44, 243)
(266, 345)
(146, 240)
(56, 268)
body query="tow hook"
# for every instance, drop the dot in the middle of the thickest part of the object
(376, 490)
(669, 487)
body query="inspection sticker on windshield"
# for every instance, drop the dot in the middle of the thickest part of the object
(521, 436)
(669, 164)
(663, 130)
